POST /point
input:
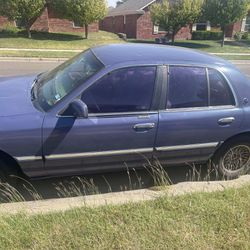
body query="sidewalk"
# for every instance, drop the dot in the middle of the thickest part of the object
(77, 51)
(40, 50)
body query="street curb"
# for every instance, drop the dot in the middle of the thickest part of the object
(63, 59)
(32, 59)
(119, 198)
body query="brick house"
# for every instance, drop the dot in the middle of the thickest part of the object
(241, 26)
(133, 19)
(49, 22)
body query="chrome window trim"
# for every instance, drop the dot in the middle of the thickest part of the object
(210, 108)
(93, 115)
(189, 146)
(208, 88)
(124, 114)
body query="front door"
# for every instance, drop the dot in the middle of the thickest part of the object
(119, 132)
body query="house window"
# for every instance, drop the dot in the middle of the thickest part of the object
(77, 24)
(158, 29)
(201, 26)
(247, 25)
(19, 23)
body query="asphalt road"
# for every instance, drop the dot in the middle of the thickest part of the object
(10, 68)
(102, 183)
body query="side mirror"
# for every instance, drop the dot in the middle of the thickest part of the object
(77, 109)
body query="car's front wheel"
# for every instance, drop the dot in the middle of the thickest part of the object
(233, 158)
(8, 174)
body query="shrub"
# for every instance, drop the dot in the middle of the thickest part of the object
(241, 35)
(238, 36)
(206, 35)
(9, 28)
(245, 36)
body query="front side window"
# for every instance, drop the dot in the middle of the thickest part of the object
(53, 86)
(124, 90)
(220, 93)
(187, 87)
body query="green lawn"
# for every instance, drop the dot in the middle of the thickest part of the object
(209, 46)
(218, 220)
(215, 47)
(68, 41)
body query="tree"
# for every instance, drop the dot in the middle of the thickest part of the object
(225, 12)
(173, 15)
(27, 11)
(83, 12)
(118, 3)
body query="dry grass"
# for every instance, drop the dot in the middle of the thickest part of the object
(199, 221)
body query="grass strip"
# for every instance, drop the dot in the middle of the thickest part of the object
(219, 220)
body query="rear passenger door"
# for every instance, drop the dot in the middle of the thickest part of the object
(200, 112)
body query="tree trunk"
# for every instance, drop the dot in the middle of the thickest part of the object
(223, 37)
(173, 37)
(86, 31)
(28, 31)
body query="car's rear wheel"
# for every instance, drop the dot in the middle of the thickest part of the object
(233, 158)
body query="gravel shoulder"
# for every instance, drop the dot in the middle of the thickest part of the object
(61, 205)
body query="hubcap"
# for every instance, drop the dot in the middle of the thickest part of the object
(237, 158)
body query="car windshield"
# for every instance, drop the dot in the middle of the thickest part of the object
(53, 86)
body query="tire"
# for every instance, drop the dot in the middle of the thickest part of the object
(8, 174)
(233, 158)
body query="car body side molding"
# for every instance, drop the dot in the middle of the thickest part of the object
(190, 146)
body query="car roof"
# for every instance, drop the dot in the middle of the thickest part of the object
(113, 54)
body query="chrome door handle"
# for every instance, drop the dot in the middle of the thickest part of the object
(144, 126)
(226, 121)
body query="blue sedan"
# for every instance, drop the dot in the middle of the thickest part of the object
(126, 103)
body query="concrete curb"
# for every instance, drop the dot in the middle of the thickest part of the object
(42, 50)
(61, 205)
(32, 59)
(63, 59)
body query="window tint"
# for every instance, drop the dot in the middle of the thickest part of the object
(187, 88)
(124, 90)
(220, 93)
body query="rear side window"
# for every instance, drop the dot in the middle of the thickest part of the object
(124, 90)
(187, 87)
(220, 93)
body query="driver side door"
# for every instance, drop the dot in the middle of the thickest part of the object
(120, 131)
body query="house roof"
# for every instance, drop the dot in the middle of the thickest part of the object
(131, 7)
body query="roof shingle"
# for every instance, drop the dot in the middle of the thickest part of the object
(131, 7)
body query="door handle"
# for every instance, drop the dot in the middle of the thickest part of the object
(226, 121)
(144, 126)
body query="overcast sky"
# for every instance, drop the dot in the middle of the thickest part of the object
(112, 2)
